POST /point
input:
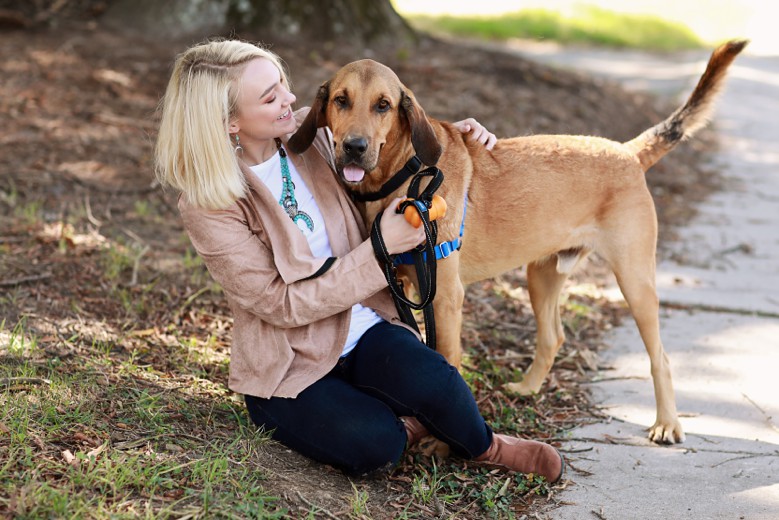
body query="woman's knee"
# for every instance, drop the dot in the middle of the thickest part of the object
(367, 439)
(372, 449)
(433, 383)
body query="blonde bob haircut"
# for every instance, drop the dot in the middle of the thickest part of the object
(194, 153)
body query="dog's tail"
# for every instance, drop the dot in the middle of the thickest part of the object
(654, 143)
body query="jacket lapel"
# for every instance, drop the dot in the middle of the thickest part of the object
(291, 252)
(319, 180)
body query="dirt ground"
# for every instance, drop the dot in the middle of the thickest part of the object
(77, 125)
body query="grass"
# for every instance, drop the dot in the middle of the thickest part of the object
(492, 492)
(101, 437)
(106, 412)
(587, 25)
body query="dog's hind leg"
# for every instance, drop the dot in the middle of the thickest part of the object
(545, 281)
(634, 267)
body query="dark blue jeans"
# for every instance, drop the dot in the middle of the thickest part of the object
(349, 418)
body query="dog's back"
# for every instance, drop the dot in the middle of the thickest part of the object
(550, 193)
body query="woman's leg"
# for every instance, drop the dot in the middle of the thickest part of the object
(334, 423)
(393, 365)
(390, 363)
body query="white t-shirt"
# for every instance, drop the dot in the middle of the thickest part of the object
(269, 172)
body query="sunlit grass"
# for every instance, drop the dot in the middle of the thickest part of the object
(103, 437)
(586, 25)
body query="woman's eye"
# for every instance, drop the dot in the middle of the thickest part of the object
(271, 100)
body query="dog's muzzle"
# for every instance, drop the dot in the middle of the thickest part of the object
(355, 147)
(354, 153)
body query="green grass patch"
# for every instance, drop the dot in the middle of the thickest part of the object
(491, 493)
(587, 25)
(102, 437)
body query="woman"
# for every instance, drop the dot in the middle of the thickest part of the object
(318, 351)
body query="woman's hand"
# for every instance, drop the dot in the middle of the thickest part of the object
(477, 131)
(399, 236)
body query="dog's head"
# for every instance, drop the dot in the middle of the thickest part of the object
(372, 116)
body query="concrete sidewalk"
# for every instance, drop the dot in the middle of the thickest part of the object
(724, 347)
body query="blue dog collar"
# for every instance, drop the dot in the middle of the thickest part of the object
(442, 250)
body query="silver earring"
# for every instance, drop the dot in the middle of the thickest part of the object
(238, 147)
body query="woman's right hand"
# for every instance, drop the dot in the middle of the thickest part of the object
(399, 236)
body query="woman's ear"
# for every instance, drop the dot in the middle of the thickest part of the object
(316, 118)
(233, 127)
(423, 136)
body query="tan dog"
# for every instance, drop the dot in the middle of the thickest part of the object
(543, 201)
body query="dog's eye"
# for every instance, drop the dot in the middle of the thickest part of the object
(341, 101)
(383, 105)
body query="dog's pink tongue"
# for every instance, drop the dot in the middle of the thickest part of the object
(353, 173)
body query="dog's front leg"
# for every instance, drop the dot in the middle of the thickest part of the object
(448, 305)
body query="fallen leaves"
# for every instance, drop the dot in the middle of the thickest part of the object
(69, 458)
(75, 460)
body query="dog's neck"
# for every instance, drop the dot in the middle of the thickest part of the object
(391, 163)
(393, 182)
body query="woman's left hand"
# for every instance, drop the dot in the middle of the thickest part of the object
(477, 131)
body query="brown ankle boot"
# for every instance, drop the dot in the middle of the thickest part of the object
(415, 431)
(524, 456)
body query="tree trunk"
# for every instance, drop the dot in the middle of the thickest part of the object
(343, 21)
(169, 18)
(351, 22)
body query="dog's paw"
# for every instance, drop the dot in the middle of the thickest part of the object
(521, 388)
(430, 446)
(669, 432)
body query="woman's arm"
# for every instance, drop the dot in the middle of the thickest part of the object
(246, 269)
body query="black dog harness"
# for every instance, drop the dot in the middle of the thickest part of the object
(425, 255)
(396, 181)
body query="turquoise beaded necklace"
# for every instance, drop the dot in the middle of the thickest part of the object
(287, 199)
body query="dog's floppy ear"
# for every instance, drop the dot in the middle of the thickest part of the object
(316, 118)
(422, 134)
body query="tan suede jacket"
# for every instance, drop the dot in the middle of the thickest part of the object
(288, 330)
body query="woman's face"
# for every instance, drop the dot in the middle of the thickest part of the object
(263, 108)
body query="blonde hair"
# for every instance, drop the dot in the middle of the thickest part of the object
(193, 152)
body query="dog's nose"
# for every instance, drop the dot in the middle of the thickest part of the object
(356, 146)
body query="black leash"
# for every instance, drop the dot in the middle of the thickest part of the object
(423, 255)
